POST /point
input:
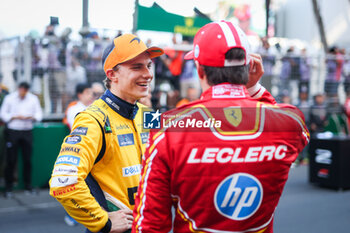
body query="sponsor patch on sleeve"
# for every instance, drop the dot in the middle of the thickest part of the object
(65, 170)
(74, 139)
(68, 159)
(126, 139)
(70, 149)
(64, 190)
(63, 181)
(79, 131)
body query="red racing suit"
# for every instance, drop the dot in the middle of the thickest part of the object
(221, 161)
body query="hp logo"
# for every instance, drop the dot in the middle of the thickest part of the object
(238, 196)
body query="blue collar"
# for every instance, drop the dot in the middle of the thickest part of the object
(120, 106)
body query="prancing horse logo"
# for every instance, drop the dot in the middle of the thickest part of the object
(233, 115)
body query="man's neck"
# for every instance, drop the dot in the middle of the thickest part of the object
(120, 96)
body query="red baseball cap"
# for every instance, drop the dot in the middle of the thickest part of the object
(212, 42)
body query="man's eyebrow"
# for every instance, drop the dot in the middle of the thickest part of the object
(136, 64)
(141, 64)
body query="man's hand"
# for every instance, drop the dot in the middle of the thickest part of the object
(121, 220)
(256, 69)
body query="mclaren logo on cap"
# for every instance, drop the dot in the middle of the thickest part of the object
(137, 39)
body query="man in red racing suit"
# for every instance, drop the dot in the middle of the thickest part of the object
(221, 161)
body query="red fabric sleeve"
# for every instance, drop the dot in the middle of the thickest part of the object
(153, 202)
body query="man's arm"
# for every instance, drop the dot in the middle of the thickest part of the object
(5, 112)
(38, 113)
(73, 164)
(255, 90)
(152, 212)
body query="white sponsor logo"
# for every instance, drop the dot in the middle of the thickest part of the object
(230, 155)
(132, 170)
(62, 181)
(323, 156)
(65, 170)
(228, 91)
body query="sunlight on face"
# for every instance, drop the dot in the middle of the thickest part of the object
(133, 78)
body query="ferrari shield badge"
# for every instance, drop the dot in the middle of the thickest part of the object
(233, 115)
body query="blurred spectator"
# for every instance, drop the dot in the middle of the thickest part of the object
(97, 90)
(192, 94)
(75, 74)
(188, 77)
(285, 72)
(19, 111)
(334, 64)
(305, 107)
(85, 98)
(336, 118)
(269, 60)
(346, 74)
(286, 99)
(243, 14)
(347, 108)
(290, 71)
(54, 62)
(173, 97)
(95, 53)
(37, 71)
(3, 93)
(318, 115)
(174, 60)
(305, 71)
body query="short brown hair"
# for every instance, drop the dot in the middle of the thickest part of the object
(107, 82)
(231, 74)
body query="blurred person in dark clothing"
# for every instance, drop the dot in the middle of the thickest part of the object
(19, 111)
(304, 106)
(346, 75)
(3, 93)
(305, 71)
(336, 118)
(290, 71)
(318, 115)
(334, 64)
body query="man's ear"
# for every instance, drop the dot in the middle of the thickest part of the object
(200, 70)
(111, 75)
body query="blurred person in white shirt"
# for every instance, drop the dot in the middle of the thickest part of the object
(19, 111)
(85, 98)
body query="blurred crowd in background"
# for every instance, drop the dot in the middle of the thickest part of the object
(318, 85)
